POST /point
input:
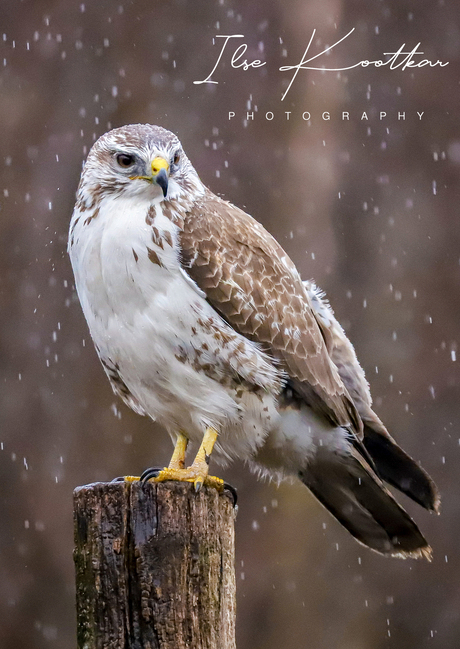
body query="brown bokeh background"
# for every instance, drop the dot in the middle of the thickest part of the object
(370, 209)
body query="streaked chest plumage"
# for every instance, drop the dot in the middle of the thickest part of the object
(164, 348)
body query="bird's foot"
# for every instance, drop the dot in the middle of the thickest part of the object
(154, 474)
(197, 473)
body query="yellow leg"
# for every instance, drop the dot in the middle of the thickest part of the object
(177, 460)
(178, 457)
(198, 471)
(206, 447)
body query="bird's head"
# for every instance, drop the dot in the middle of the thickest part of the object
(138, 160)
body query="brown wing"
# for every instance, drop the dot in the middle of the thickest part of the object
(252, 283)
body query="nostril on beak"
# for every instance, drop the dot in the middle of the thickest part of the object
(158, 164)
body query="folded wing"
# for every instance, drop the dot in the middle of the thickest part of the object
(249, 279)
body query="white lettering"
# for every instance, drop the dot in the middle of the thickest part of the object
(245, 65)
(227, 38)
(398, 59)
(237, 55)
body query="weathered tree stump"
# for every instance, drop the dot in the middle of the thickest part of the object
(154, 567)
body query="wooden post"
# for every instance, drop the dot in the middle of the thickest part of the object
(154, 567)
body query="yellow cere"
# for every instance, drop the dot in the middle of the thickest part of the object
(158, 164)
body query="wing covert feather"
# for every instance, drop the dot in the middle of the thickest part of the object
(249, 279)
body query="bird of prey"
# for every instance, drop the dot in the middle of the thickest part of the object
(202, 322)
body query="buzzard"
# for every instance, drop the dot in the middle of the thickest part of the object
(202, 322)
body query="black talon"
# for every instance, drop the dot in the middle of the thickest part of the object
(233, 492)
(152, 472)
(120, 478)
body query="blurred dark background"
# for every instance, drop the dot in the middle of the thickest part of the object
(370, 209)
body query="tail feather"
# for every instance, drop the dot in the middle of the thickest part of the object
(353, 493)
(397, 468)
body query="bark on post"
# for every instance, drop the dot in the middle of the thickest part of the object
(154, 567)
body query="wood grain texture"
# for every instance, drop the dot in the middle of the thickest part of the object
(154, 567)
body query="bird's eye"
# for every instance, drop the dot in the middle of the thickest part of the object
(125, 160)
(176, 158)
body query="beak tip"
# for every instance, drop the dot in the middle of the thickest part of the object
(161, 179)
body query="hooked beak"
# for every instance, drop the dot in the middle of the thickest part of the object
(159, 176)
(160, 169)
